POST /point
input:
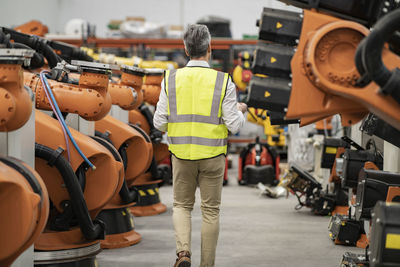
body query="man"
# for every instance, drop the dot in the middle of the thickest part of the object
(197, 107)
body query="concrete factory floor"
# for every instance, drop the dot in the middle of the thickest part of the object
(255, 231)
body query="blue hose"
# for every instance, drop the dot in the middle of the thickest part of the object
(65, 125)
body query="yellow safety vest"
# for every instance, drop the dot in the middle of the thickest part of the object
(195, 126)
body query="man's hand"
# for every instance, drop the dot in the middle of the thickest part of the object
(242, 107)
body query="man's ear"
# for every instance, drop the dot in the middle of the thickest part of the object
(186, 52)
(209, 48)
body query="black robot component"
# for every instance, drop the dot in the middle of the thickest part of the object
(269, 93)
(280, 26)
(384, 246)
(373, 187)
(373, 125)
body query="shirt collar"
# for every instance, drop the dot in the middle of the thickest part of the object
(197, 63)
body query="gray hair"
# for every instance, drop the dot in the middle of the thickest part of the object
(196, 38)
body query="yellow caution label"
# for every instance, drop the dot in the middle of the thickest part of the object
(95, 263)
(151, 192)
(330, 150)
(266, 94)
(273, 60)
(123, 213)
(246, 64)
(279, 25)
(157, 190)
(132, 224)
(392, 241)
(142, 193)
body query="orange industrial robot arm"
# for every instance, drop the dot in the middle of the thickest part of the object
(24, 202)
(325, 74)
(131, 139)
(96, 187)
(15, 101)
(152, 85)
(123, 96)
(133, 77)
(91, 90)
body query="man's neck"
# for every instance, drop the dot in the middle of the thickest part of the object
(200, 59)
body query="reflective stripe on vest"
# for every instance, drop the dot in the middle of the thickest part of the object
(213, 118)
(197, 141)
(195, 126)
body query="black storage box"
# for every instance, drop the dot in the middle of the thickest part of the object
(331, 145)
(269, 93)
(273, 60)
(372, 187)
(353, 162)
(259, 174)
(280, 26)
(384, 247)
(344, 230)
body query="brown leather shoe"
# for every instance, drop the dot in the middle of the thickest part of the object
(183, 259)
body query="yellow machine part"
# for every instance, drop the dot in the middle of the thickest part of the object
(237, 78)
(271, 131)
(145, 64)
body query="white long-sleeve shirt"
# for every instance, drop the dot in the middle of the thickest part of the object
(231, 116)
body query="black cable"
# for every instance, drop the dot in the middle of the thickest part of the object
(36, 43)
(371, 54)
(92, 230)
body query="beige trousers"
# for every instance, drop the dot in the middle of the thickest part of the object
(187, 175)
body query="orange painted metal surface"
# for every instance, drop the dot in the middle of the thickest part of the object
(33, 27)
(70, 97)
(342, 210)
(324, 124)
(393, 192)
(15, 102)
(161, 152)
(370, 166)
(306, 98)
(325, 75)
(98, 82)
(136, 82)
(101, 184)
(150, 210)
(52, 240)
(123, 96)
(121, 240)
(138, 152)
(362, 242)
(24, 212)
(152, 87)
(137, 118)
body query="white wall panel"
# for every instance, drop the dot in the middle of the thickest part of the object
(56, 13)
(16, 12)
